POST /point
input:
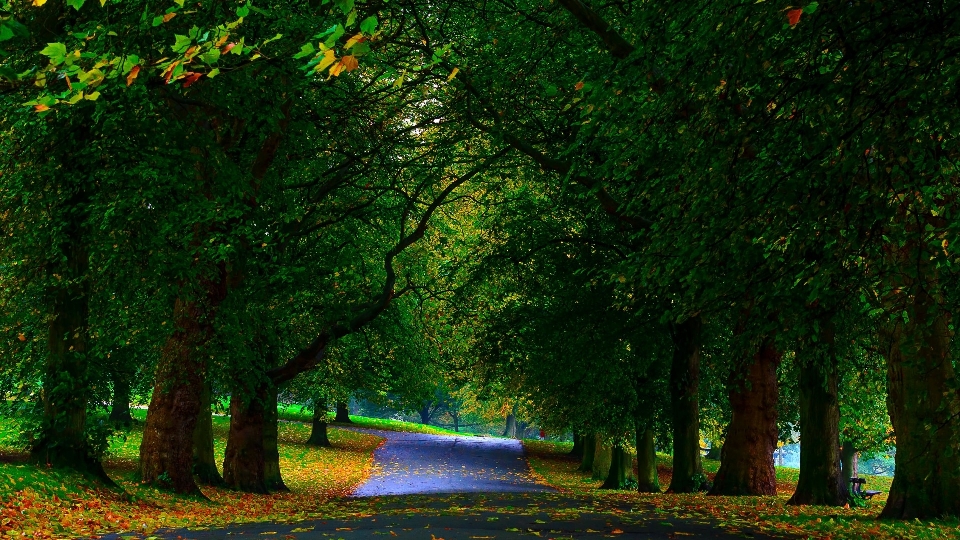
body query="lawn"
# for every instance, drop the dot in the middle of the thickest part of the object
(552, 464)
(42, 503)
(297, 413)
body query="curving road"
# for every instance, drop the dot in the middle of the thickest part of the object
(415, 463)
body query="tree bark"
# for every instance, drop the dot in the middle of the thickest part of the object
(820, 480)
(621, 468)
(343, 414)
(120, 402)
(685, 403)
(746, 467)
(648, 481)
(602, 458)
(577, 450)
(61, 440)
(204, 459)
(924, 408)
(589, 452)
(511, 429)
(244, 464)
(166, 452)
(425, 414)
(271, 445)
(318, 432)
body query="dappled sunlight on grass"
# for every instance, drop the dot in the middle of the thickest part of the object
(772, 515)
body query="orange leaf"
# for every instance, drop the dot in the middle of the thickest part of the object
(168, 16)
(228, 48)
(793, 16)
(350, 62)
(190, 78)
(132, 76)
(20, 336)
(336, 69)
(169, 73)
(38, 108)
(578, 86)
(616, 531)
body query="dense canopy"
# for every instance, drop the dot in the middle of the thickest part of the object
(651, 224)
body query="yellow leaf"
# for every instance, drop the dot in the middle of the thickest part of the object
(399, 81)
(92, 96)
(453, 74)
(354, 40)
(39, 3)
(329, 57)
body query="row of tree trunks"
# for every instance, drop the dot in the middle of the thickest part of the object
(746, 466)
(620, 470)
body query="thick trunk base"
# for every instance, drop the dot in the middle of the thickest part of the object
(244, 461)
(204, 460)
(343, 414)
(820, 480)
(271, 447)
(621, 468)
(648, 481)
(746, 467)
(318, 432)
(589, 453)
(166, 452)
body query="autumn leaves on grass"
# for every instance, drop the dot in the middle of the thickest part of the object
(57, 505)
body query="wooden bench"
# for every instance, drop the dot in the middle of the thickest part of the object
(856, 485)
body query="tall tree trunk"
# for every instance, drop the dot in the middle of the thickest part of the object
(685, 404)
(602, 458)
(648, 481)
(924, 407)
(820, 480)
(521, 430)
(343, 414)
(204, 459)
(318, 432)
(621, 468)
(166, 451)
(425, 414)
(61, 440)
(120, 402)
(511, 429)
(589, 452)
(746, 467)
(244, 461)
(271, 446)
(578, 445)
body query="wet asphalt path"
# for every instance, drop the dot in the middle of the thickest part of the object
(416, 464)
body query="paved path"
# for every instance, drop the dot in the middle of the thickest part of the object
(414, 463)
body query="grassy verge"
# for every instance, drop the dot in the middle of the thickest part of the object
(741, 514)
(39, 503)
(296, 413)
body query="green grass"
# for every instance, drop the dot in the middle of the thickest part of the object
(298, 413)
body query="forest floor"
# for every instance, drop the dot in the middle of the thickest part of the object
(43, 503)
(771, 515)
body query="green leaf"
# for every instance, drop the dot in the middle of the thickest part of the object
(157, 21)
(213, 73)
(56, 52)
(306, 50)
(332, 38)
(130, 61)
(5, 32)
(211, 56)
(369, 25)
(346, 6)
(811, 7)
(351, 18)
(182, 44)
(75, 4)
(243, 10)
